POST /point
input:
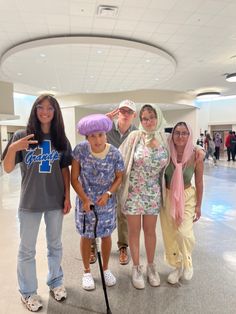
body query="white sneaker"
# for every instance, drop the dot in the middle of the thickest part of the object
(59, 293)
(137, 277)
(88, 282)
(188, 273)
(33, 302)
(175, 275)
(153, 276)
(110, 279)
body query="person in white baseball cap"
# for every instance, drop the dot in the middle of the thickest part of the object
(128, 104)
(121, 128)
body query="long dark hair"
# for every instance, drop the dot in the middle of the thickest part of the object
(57, 129)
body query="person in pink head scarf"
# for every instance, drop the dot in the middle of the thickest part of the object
(182, 203)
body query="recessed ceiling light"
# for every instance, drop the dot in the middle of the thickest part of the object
(91, 76)
(19, 73)
(42, 55)
(231, 77)
(208, 95)
(147, 60)
(156, 79)
(99, 51)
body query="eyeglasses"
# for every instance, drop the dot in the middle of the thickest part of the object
(184, 134)
(42, 108)
(124, 111)
(146, 120)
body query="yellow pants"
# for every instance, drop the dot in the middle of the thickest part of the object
(179, 240)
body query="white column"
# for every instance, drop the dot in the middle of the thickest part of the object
(3, 138)
(6, 99)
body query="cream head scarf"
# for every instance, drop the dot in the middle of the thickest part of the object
(159, 130)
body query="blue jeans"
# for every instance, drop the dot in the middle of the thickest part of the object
(26, 266)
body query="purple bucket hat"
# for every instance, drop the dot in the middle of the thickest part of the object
(94, 123)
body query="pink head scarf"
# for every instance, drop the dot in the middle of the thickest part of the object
(177, 181)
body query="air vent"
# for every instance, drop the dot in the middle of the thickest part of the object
(107, 11)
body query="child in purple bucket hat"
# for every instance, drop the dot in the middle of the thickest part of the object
(96, 174)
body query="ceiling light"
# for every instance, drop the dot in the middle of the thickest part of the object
(208, 95)
(231, 77)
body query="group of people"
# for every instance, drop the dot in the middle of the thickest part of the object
(211, 145)
(118, 170)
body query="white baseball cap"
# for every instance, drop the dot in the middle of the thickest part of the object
(129, 104)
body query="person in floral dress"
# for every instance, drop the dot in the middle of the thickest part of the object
(145, 155)
(97, 169)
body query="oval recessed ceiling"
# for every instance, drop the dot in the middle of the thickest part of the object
(78, 64)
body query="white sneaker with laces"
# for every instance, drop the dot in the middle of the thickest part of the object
(175, 275)
(33, 302)
(188, 273)
(88, 282)
(153, 276)
(137, 277)
(110, 279)
(59, 293)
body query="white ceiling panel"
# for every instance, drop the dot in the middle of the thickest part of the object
(200, 35)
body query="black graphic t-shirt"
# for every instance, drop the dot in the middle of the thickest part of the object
(42, 185)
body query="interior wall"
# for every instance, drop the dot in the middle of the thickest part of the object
(69, 122)
(218, 113)
(80, 113)
(22, 108)
(187, 115)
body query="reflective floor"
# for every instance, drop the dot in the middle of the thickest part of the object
(212, 289)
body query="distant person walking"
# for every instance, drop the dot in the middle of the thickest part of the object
(210, 148)
(233, 145)
(218, 141)
(227, 144)
(200, 140)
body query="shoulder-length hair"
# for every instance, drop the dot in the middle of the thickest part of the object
(57, 129)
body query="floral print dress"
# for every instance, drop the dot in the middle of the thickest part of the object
(96, 177)
(144, 195)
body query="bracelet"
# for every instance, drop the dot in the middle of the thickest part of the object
(109, 193)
